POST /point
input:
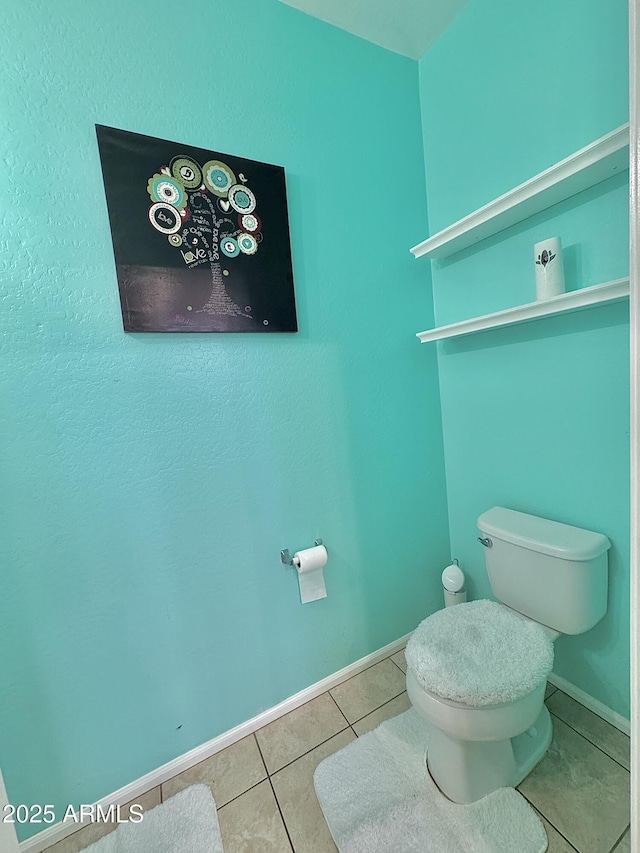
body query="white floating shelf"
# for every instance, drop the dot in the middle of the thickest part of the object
(576, 300)
(604, 158)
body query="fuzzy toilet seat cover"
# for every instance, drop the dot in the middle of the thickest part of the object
(479, 653)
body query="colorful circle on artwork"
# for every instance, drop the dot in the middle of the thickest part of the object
(247, 244)
(229, 247)
(175, 239)
(187, 172)
(164, 188)
(249, 221)
(165, 218)
(218, 177)
(242, 199)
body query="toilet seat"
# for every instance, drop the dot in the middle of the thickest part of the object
(479, 654)
(489, 722)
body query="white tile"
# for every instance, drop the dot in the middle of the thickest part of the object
(605, 736)
(400, 660)
(624, 845)
(583, 792)
(289, 737)
(228, 773)
(365, 692)
(549, 690)
(385, 712)
(557, 844)
(297, 798)
(252, 823)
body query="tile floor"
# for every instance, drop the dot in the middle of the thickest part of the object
(263, 784)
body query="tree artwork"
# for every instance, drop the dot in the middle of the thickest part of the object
(206, 263)
(192, 206)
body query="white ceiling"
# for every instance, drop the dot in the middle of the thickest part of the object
(404, 26)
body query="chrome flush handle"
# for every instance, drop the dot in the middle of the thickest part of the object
(486, 541)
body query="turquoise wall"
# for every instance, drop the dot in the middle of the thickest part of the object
(534, 417)
(151, 480)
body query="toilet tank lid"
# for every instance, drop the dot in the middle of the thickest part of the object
(543, 535)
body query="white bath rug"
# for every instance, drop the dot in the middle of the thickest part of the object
(377, 797)
(187, 823)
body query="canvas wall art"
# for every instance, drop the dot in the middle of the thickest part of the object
(201, 238)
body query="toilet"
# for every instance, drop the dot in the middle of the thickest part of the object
(477, 671)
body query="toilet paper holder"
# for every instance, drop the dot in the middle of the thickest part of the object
(286, 557)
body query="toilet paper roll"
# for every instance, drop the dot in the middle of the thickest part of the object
(309, 564)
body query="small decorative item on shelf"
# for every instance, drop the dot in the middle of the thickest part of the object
(549, 268)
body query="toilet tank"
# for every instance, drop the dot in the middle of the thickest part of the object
(553, 573)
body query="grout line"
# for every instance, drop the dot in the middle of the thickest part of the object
(284, 823)
(337, 706)
(237, 797)
(348, 725)
(396, 664)
(536, 809)
(365, 670)
(616, 730)
(302, 754)
(595, 745)
(264, 763)
(619, 839)
(377, 708)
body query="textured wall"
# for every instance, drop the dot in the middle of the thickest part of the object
(535, 417)
(151, 480)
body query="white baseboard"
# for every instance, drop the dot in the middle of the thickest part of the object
(592, 704)
(60, 830)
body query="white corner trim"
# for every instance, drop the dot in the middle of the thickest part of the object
(8, 838)
(634, 319)
(55, 833)
(602, 710)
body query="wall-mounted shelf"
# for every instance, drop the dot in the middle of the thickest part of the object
(576, 300)
(604, 158)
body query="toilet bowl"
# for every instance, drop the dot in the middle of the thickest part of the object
(477, 672)
(474, 751)
(496, 729)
